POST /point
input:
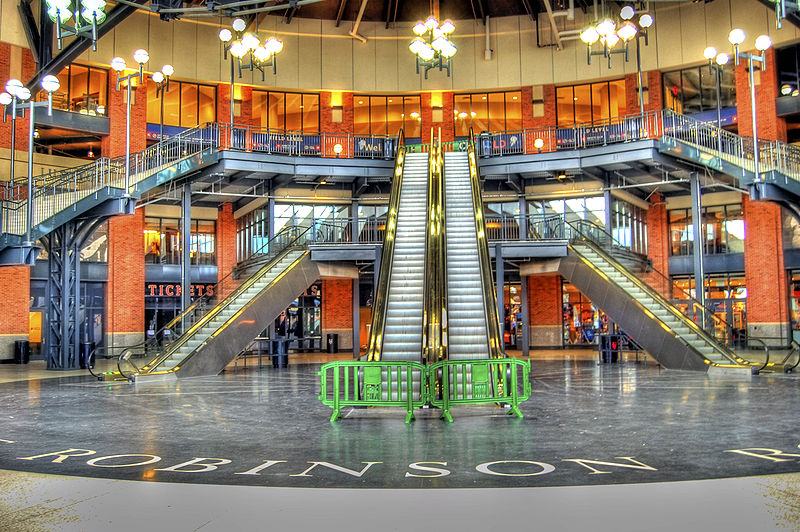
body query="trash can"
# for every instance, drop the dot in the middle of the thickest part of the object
(86, 357)
(332, 343)
(22, 351)
(609, 348)
(280, 358)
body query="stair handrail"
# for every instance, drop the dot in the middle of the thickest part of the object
(492, 316)
(387, 257)
(581, 236)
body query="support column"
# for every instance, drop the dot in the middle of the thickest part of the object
(271, 214)
(186, 246)
(226, 240)
(337, 310)
(356, 321)
(354, 221)
(523, 217)
(699, 242)
(499, 284)
(544, 305)
(658, 244)
(526, 324)
(14, 320)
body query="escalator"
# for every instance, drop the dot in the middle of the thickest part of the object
(666, 333)
(216, 328)
(467, 312)
(398, 316)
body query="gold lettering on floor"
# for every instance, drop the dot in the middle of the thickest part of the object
(416, 465)
(94, 461)
(201, 467)
(766, 454)
(62, 455)
(255, 470)
(485, 468)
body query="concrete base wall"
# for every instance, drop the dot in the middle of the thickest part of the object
(345, 338)
(7, 344)
(124, 339)
(773, 333)
(546, 336)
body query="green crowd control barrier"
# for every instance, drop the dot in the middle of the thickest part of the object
(472, 382)
(443, 384)
(357, 383)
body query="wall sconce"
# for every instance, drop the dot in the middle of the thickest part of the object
(337, 114)
(437, 115)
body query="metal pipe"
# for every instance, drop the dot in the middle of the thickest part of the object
(354, 32)
(699, 265)
(28, 234)
(13, 136)
(487, 53)
(186, 245)
(756, 176)
(128, 140)
(232, 96)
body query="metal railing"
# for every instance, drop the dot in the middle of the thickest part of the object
(471, 382)
(357, 383)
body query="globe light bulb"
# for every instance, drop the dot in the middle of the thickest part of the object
(449, 49)
(274, 45)
(448, 27)
(158, 77)
(419, 28)
(50, 83)
(56, 13)
(13, 87)
(426, 53)
(238, 49)
(626, 13)
(439, 44)
(590, 35)
(606, 27)
(416, 45)
(610, 40)
(225, 35)
(710, 53)
(118, 64)
(62, 5)
(141, 56)
(737, 36)
(723, 58)
(5, 98)
(167, 70)
(786, 89)
(23, 93)
(239, 24)
(538, 144)
(627, 31)
(431, 22)
(96, 15)
(261, 54)
(646, 20)
(763, 42)
(250, 41)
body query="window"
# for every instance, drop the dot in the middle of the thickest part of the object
(579, 104)
(629, 226)
(83, 90)
(291, 111)
(385, 115)
(694, 90)
(726, 295)
(723, 230)
(162, 241)
(493, 111)
(788, 61)
(185, 104)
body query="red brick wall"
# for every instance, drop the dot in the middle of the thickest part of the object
(549, 118)
(765, 274)
(544, 299)
(327, 125)
(653, 94)
(14, 320)
(125, 288)
(769, 125)
(113, 145)
(226, 240)
(245, 115)
(658, 243)
(447, 124)
(337, 310)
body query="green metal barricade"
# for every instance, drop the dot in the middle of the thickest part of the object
(357, 383)
(472, 382)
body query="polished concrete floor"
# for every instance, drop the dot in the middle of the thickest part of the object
(619, 447)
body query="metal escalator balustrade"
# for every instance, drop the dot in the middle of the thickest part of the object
(592, 244)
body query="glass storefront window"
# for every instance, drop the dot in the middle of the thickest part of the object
(83, 90)
(493, 111)
(385, 115)
(162, 241)
(694, 90)
(592, 102)
(726, 295)
(581, 320)
(794, 297)
(723, 230)
(292, 111)
(185, 104)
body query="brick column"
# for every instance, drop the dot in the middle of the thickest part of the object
(544, 303)
(767, 297)
(126, 271)
(653, 92)
(327, 125)
(14, 320)
(337, 310)
(658, 244)
(447, 123)
(245, 115)
(226, 240)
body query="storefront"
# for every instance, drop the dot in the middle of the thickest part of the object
(726, 295)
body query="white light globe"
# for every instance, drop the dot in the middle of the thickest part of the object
(626, 13)
(60, 4)
(239, 24)
(710, 53)
(167, 70)
(261, 53)
(13, 87)
(23, 93)
(419, 28)
(158, 77)
(431, 22)
(238, 49)
(426, 53)
(723, 58)
(250, 41)
(606, 27)
(273, 45)
(337, 149)
(141, 56)
(538, 144)
(118, 64)
(646, 20)
(416, 45)
(610, 40)
(90, 15)
(448, 27)
(439, 44)
(590, 35)
(737, 36)
(786, 89)
(5, 98)
(627, 31)
(225, 35)
(449, 49)
(763, 42)
(96, 5)
(50, 83)
(55, 13)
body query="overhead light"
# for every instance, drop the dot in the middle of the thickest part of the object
(626, 13)
(723, 58)
(710, 53)
(737, 36)
(763, 42)
(239, 24)
(786, 89)
(431, 45)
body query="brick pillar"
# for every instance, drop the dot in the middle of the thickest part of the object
(327, 125)
(245, 115)
(767, 297)
(658, 244)
(544, 304)
(14, 320)
(765, 273)
(447, 124)
(337, 310)
(653, 92)
(126, 271)
(226, 240)
(18, 63)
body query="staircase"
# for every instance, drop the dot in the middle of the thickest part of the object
(402, 333)
(466, 313)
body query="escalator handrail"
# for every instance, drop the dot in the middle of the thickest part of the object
(758, 370)
(387, 256)
(695, 303)
(492, 316)
(433, 317)
(597, 248)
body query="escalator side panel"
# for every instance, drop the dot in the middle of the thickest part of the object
(661, 344)
(220, 350)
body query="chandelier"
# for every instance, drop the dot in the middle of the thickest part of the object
(432, 48)
(609, 35)
(259, 55)
(90, 11)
